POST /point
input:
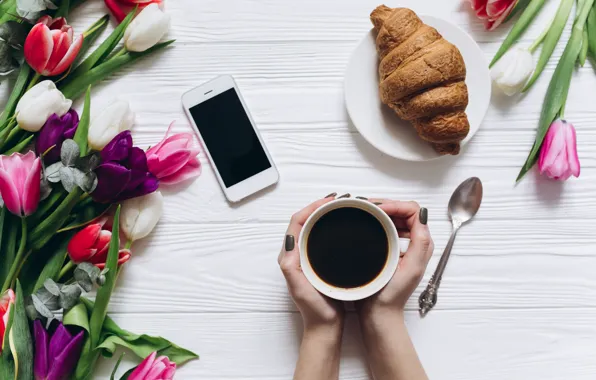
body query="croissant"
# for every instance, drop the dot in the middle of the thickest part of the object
(422, 77)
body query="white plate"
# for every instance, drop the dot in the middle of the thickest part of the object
(380, 126)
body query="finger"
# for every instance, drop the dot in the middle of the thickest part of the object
(421, 243)
(405, 211)
(404, 234)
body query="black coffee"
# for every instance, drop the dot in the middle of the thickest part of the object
(347, 247)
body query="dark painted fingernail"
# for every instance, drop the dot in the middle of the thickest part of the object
(363, 198)
(331, 195)
(377, 203)
(423, 216)
(290, 243)
(347, 195)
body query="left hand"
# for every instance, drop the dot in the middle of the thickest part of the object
(316, 309)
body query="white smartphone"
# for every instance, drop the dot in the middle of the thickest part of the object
(230, 138)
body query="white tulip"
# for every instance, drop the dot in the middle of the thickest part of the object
(113, 119)
(38, 104)
(512, 71)
(146, 29)
(139, 216)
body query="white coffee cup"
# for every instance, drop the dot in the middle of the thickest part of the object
(351, 294)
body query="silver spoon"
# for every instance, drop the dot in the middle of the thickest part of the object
(463, 205)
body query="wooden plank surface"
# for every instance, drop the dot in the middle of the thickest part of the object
(519, 297)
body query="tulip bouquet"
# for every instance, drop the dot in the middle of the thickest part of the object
(513, 71)
(76, 194)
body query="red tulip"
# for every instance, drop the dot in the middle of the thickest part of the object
(120, 8)
(49, 47)
(20, 179)
(92, 243)
(7, 299)
(493, 12)
(174, 159)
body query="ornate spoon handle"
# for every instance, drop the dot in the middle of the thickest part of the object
(428, 298)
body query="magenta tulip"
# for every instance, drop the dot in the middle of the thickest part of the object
(20, 178)
(152, 368)
(174, 159)
(558, 155)
(57, 354)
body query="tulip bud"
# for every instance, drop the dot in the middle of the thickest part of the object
(38, 104)
(154, 368)
(146, 29)
(513, 70)
(558, 154)
(139, 216)
(20, 182)
(115, 118)
(7, 299)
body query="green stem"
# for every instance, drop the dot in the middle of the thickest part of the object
(128, 244)
(120, 52)
(34, 81)
(540, 38)
(13, 273)
(67, 267)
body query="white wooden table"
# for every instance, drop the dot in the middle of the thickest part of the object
(518, 300)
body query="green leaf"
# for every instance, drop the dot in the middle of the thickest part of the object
(591, 26)
(142, 345)
(73, 89)
(550, 42)
(519, 6)
(103, 51)
(17, 91)
(45, 206)
(583, 54)
(49, 226)
(63, 9)
(519, 28)
(90, 35)
(558, 88)
(20, 146)
(116, 366)
(105, 292)
(52, 268)
(128, 373)
(6, 357)
(88, 214)
(9, 249)
(77, 316)
(21, 343)
(82, 132)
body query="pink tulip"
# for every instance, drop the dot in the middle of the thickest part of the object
(20, 178)
(493, 12)
(174, 159)
(154, 369)
(558, 154)
(7, 299)
(49, 48)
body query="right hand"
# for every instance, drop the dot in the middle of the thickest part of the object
(393, 297)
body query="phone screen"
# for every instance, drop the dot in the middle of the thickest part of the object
(228, 134)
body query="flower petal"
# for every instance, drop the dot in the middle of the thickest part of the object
(119, 148)
(69, 57)
(9, 193)
(31, 191)
(38, 47)
(143, 369)
(64, 362)
(112, 179)
(41, 350)
(192, 169)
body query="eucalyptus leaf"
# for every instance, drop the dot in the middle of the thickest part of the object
(52, 172)
(44, 189)
(69, 296)
(86, 181)
(86, 274)
(67, 178)
(89, 162)
(69, 153)
(7, 62)
(41, 308)
(14, 33)
(32, 9)
(51, 286)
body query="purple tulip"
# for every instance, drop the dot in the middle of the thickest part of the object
(55, 357)
(54, 132)
(123, 173)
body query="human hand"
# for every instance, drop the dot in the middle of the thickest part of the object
(316, 309)
(410, 221)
